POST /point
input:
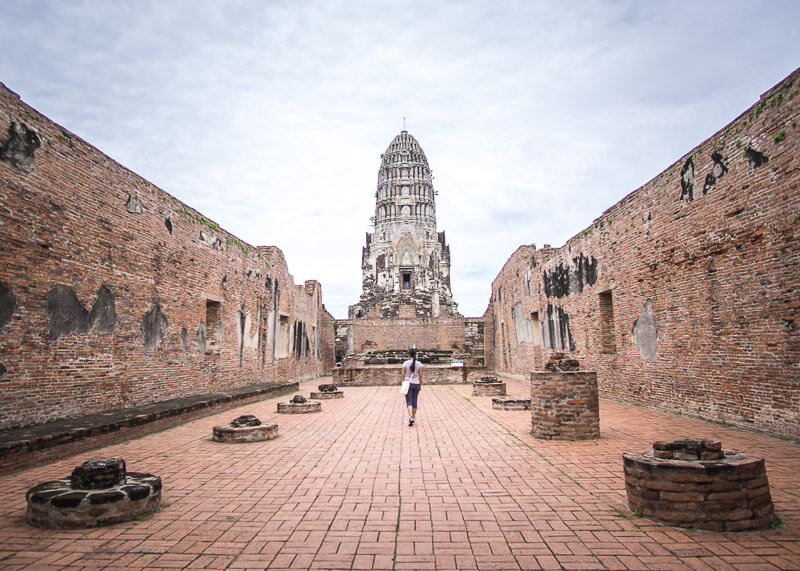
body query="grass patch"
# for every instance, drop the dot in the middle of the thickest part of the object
(777, 522)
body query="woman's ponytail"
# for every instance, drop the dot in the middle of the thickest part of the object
(413, 354)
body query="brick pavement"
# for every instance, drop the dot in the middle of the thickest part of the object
(353, 487)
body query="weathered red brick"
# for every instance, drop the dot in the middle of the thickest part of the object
(69, 222)
(659, 284)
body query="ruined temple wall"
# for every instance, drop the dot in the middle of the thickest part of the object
(685, 295)
(326, 339)
(514, 303)
(366, 334)
(109, 286)
(489, 338)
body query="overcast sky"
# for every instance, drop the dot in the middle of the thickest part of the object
(270, 117)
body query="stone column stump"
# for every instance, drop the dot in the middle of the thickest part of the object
(565, 405)
(99, 492)
(693, 483)
(327, 392)
(488, 387)
(299, 405)
(246, 428)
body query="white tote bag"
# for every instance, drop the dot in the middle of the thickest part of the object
(404, 387)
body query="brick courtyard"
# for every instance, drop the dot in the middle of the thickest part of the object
(353, 487)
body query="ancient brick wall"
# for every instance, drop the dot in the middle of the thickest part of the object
(685, 295)
(376, 334)
(390, 375)
(114, 293)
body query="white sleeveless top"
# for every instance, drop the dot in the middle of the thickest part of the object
(412, 377)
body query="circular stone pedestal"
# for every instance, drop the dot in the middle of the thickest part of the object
(245, 429)
(99, 492)
(511, 404)
(726, 492)
(328, 395)
(488, 387)
(299, 408)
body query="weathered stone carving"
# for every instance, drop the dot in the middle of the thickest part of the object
(298, 399)
(406, 262)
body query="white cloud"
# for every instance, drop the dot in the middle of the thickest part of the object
(270, 117)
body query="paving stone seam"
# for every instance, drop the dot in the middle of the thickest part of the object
(529, 446)
(646, 525)
(455, 394)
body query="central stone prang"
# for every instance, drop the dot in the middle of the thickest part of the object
(299, 405)
(99, 492)
(245, 428)
(405, 261)
(327, 392)
(692, 482)
(488, 387)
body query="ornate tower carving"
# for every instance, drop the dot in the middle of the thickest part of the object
(406, 262)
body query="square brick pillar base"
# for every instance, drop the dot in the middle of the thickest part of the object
(564, 405)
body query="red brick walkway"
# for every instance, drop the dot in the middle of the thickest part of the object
(353, 487)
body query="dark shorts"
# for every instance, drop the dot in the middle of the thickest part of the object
(413, 393)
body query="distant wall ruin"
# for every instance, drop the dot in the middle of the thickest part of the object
(460, 335)
(114, 293)
(685, 295)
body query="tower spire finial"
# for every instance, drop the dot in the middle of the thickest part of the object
(404, 123)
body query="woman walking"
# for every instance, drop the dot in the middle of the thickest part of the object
(412, 372)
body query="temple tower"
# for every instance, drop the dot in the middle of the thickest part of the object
(406, 262)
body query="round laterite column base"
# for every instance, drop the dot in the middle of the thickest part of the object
(57, 505)
(731, 494)
(299, 408)
(328, 395)
(228, 433)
